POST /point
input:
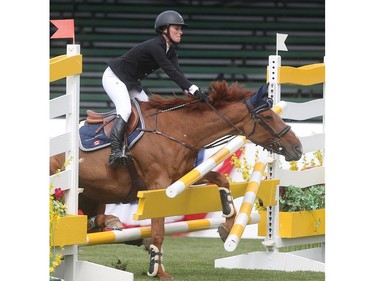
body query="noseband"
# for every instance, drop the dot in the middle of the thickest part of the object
(274, 144)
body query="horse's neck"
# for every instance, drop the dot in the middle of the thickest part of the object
(208, 126)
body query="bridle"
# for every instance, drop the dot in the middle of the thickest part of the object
(274, 144)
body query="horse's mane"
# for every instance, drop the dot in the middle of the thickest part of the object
(220, 95)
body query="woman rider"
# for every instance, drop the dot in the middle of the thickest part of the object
(121, 79)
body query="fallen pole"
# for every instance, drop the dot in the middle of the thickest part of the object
(247, 205)
(130, 234)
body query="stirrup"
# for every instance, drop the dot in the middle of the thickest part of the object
(126, 155)
(116, 158)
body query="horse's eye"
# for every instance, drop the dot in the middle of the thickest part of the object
(268, 118)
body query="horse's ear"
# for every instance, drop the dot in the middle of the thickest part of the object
(259, 95)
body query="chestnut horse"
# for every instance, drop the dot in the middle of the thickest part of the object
(176, 129)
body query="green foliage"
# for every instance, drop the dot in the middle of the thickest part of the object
(294, 199)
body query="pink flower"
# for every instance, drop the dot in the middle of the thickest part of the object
(306, 168)
(58, 193)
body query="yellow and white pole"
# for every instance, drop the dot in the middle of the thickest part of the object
(130, 234)
(247, 205)
(198, 172)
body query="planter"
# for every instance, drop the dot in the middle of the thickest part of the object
(68, 230)
(296, 224)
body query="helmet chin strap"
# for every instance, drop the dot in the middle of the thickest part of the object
(169, 36)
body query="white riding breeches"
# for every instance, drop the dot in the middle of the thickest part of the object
(119, 94)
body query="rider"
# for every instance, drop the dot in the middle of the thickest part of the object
(121, 79)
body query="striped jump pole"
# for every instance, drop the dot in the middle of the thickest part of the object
(244, 213)
(198, 172)
(130, 234)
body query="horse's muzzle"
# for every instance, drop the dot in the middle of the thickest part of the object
(294, 154)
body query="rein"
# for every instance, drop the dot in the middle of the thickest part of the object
(173, 108)
(228, 121)
(157, 132)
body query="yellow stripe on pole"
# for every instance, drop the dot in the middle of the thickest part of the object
(279, 107)
(221, 155)
(199, 224)
(191, 177)
(259, 167)
(239, 229)
(253, 187)
(246, 208)
(101, 237)
(145, 232)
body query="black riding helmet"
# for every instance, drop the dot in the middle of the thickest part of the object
(165, 19)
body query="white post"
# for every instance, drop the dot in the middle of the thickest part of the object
(72, 120)
(272, 220)
(274, 89)
(71, 198)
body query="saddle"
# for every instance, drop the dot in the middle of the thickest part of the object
(107, 118)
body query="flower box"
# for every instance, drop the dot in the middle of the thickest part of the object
(296, 224)
(68, 230)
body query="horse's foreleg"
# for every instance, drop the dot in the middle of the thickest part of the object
(156, 252)
(229, 211)
(97, 220)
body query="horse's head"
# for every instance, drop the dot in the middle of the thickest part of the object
(269, 130)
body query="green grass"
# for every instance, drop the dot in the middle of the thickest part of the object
(190, 259)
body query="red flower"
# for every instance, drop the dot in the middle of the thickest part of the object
(58, 193)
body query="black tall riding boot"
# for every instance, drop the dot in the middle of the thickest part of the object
(118, 155)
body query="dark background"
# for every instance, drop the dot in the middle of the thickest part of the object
(228, 40)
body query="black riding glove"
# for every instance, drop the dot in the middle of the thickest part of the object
(202, 95)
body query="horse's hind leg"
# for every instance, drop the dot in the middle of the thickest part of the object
(229, 211)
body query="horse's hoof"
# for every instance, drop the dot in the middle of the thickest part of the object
(166, 277)
(114, 223)
(223, 232)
